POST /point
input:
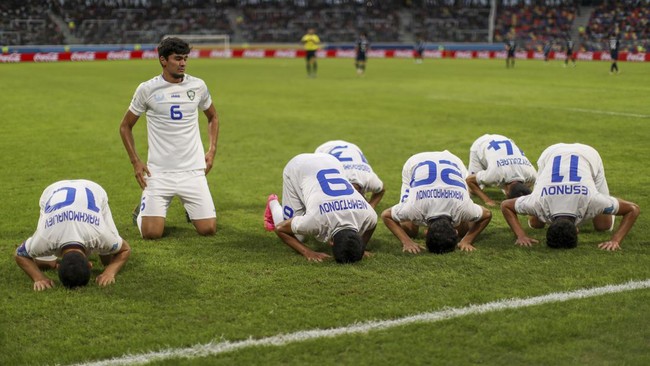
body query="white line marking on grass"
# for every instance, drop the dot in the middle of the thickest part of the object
(595, 111)
(212, 349)
(506, 104)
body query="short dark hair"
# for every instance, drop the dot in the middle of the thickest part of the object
(173, 45)
(74, 270)
(441, 237)
(562, 234)
(518, 189)
(347, 246)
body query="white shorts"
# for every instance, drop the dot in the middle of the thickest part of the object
(191, 187)
(292, 205)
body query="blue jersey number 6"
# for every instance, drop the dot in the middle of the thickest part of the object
(175, 112)
(334, 186)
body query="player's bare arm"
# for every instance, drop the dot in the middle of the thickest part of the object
(116, 263)
(476, 228)
(126, 132)
(376, 197)
(283, 230)
(27, 264)
(408, 245)
(509, 213)
(474, 188)
(213, 135)
(630, 211)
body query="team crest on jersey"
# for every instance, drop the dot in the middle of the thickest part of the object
(191, 94)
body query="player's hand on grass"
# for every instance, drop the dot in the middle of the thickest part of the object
(411, 247)
(525, 241)
(491, 203)
(466, 247)
(316, 256)
(105, 279)
(43, 284)
(609, 245)
(367, 254)
(140, 170)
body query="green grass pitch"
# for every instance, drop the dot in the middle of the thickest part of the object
(60, 121)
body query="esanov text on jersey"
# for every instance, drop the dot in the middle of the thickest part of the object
(565, 189)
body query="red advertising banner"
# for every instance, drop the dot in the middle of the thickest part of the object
(292, 53)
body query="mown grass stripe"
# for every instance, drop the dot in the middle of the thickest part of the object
(212, 349)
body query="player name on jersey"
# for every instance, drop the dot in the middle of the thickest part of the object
(72, 216)
(341, 205)
(565, 189)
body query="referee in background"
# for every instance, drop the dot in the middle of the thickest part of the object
(311, 43)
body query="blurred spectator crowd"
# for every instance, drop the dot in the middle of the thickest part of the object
(532, 26)
(628, 20)
(532, 23)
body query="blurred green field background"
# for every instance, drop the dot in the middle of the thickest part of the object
(60, 121)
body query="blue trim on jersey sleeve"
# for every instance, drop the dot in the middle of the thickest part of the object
(21, 251)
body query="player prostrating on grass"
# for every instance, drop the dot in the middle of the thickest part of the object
(495, 160)
(434, 194)
(177, 164)
(357, 169)
(74, 222)
(570, 188)
(318, 201)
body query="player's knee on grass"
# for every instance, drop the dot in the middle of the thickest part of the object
(206, 227)
(410, 228)
(604, 222)
(152, 227)
(518, 189)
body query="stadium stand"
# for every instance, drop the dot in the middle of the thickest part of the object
(534, 25)
(531, 22)
(440, 21)
(629, 19)
(28, 22)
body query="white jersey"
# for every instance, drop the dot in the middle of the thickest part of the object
(321, 200)
(571, 182)
(172, 111)
(74, 211)
(433, 185)
(357, 169)
(497, 161)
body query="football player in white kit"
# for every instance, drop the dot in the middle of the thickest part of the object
(357, 169)
(570, 189)
(318, 201)
(176, 164)
(434, 194)
(495, 160)
(74, 221)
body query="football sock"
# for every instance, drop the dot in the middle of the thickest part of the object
(276, 211)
